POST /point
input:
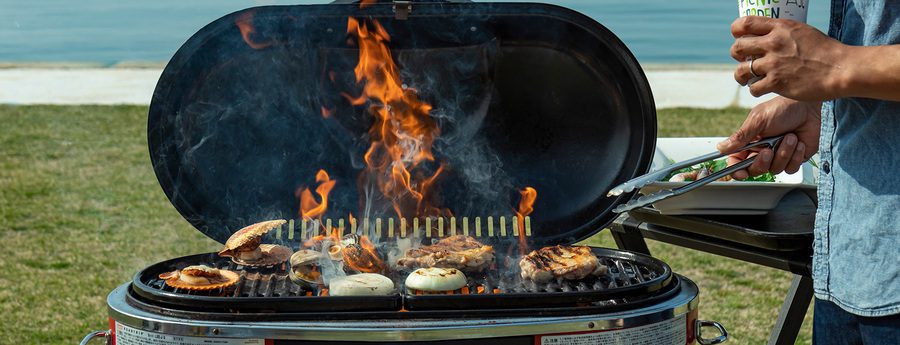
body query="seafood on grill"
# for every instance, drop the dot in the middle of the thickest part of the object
(363, 284)
(328, 245)
(244, 248)
(460, 252)
(200, 277)
(305, 267)
(435, 280)
(357, 253)
(566, 262)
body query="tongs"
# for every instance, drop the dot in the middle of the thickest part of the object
(663, 194)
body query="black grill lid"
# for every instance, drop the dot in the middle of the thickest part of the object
(528, 94)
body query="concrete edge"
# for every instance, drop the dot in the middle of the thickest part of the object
(133, 82)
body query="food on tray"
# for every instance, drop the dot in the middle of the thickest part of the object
(363, 284)
(559, 261)
(705, 169)
(200, 277)
(243, 246)
(435, 280)
(305, 268)
(460, 252)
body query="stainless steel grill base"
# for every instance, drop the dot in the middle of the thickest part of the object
(513, 330)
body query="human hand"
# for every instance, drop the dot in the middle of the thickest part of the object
(800, 120)
(792, 59)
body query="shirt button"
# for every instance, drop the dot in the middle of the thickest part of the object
(826, 167)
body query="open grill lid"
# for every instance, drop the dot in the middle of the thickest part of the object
(526, 95)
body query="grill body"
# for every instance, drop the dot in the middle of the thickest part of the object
(555, 97)
(670, 321)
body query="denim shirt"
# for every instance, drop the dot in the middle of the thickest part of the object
(856, 260)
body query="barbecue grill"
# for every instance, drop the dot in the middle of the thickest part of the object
(256, 102)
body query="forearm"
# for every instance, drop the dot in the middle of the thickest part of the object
(870, 72)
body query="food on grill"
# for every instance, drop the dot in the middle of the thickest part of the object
(559, 261)
(705, 169)
(243, 246)
(435, 280)
(359, 255)
(200, 277)
(363, 284)
(459, 252)
(305, 268)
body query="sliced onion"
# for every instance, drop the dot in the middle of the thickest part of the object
(363, 284)
(434, 279)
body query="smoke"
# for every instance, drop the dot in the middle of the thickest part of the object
(251, 129)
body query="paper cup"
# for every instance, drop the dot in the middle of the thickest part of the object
(785, 9)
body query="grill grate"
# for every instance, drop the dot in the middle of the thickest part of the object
(629, 276)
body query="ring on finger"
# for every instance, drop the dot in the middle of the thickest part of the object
(751, 68)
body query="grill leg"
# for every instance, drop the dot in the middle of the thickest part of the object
(792, 311)
(628, 236)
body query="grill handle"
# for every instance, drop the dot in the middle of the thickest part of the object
(698, 332)
(96, 334)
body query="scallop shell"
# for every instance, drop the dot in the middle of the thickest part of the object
(172, 280)
(272, 254)
(249, 233)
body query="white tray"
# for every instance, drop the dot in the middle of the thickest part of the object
(733, 197)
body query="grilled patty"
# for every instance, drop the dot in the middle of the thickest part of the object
(565, 262)
(460, 252)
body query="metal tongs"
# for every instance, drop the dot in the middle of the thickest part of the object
(656, 176)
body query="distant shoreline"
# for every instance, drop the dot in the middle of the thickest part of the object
(133, 82)
(650, 66)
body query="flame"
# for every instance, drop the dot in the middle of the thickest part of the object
(529, 195)
(403, 132)
(326, 113)
(244, 23)
(318, 242)
(309, 207)
(362, 257)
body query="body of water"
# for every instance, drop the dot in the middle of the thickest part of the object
(108, 31)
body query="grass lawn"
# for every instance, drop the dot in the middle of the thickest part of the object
(81, 212)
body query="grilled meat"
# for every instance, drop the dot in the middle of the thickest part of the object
(565, 262)
(460, 252)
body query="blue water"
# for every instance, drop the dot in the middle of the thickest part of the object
(109, 31)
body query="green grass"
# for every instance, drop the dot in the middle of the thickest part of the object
(81, 212)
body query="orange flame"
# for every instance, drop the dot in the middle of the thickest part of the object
(244, 23)
(403, 132)
(363, 257)
(309, 207)
(326, 113)
(529, 195)
(318, 242)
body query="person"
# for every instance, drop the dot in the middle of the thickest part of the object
(841, 94)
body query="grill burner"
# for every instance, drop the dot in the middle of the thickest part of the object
(630, 277)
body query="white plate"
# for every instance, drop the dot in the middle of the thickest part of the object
(733, 197)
